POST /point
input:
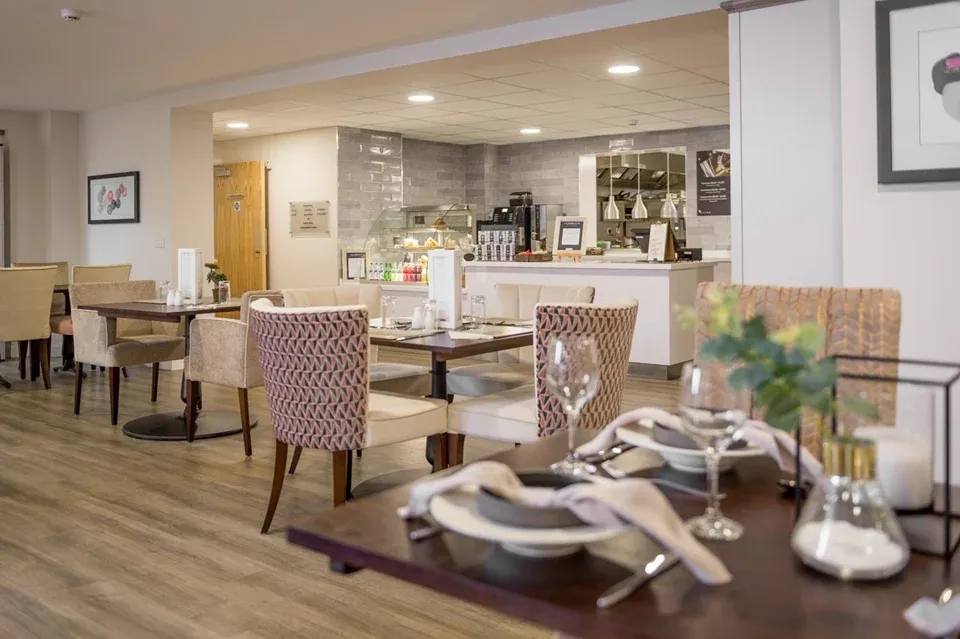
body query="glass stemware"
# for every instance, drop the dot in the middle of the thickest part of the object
(572, 375)
(388, 310)
(711, 414)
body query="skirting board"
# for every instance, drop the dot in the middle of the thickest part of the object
(655, 371)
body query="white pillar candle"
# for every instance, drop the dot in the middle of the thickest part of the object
(904, 467)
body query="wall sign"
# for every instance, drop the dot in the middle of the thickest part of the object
(356, 265)
(713, 183)
(310, 219)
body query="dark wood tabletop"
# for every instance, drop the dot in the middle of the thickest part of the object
(772, 595)
(445, 348)
(160, 312)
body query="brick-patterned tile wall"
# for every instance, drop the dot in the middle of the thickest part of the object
(433, 173)
(483, 168)
(370, 180)
(550, 170)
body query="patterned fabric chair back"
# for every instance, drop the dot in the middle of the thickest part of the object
(275, 297)
(858, 321)
(347, 295)
(611, 328)
(520, 300)
(314, 366)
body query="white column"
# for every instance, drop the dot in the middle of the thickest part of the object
(785, 142)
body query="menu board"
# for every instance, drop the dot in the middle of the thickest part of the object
(661, 247)
(568, 235)
(310, 219)
(713, 183)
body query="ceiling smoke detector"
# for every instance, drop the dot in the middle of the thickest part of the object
(70, 15)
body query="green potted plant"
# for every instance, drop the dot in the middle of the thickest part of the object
(215, 276)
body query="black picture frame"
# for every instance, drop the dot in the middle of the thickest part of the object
(133, 176)
(885, 171)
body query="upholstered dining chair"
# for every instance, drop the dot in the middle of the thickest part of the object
(857, 321)
(526, 413)
(58, 308)
(314, 363)
(388, 377)
(513, 368)
(116, 343)
(90, 274)
(224, 352)
(25, 298)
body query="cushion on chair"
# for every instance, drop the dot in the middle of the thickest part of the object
(478, 380)
(508, 416)
(61, 324)
(395, 418)
(403, 379)
(145, 349)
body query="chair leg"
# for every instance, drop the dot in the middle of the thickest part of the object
(296, 459)
(245, 421)
(114, 374)
(193, 395)
(77, 386)
(359, 454)
(44, 346)
(22, 344)
(154, 382)
(455, 449)
(440, 452)
(339, 477)
(124, 371)
(34, 359)
(279, 465)
(49, 348)
(102, 368)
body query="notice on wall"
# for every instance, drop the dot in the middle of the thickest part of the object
(310, 219)
(713, 183)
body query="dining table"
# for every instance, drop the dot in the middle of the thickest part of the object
(771, 595)
(173, 426)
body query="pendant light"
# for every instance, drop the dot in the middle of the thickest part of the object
(669, 209)
(611, 211)
(639, 208)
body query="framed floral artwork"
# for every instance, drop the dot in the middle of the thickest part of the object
(113, 198)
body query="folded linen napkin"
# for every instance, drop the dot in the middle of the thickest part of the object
(633, 501)
(469, 335)
(933, 619)
(777, 444)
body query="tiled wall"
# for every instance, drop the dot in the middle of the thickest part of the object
(433, 173)
(483, 175)
(370, 180)
(549, 170)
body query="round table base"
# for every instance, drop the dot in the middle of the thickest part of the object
(173, 427)
(387, 481)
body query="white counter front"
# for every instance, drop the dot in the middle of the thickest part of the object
(660, 346)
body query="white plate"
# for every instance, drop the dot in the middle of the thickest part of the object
(688, 460)
(457, 511)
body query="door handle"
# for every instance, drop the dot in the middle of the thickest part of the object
(256, 241)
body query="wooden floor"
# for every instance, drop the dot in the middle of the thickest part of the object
(106, 536)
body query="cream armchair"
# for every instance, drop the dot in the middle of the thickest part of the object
(224, 352)
(404, 379)
(116, 343)
(25, 298)
(512, 368)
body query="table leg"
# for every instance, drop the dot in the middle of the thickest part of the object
(438, 372)
(67, 349)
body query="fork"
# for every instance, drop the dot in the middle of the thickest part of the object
(623, 589)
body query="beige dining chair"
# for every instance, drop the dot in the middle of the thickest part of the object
(59, 319)
(92, 274)
(526, 413)
(388, 377)
(857, 321)
(315, 367)
(116, 343)
(224, 352)
(25, 298)
(512, 368)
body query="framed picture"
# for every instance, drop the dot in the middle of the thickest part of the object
(113, 198)
(568, 234)
(918, 91)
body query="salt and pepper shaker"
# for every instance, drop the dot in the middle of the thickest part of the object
(430, 315)
(177, 298)
(416, 322)
(172, 297)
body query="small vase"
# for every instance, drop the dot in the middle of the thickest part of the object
(216, 294)
(847, 529)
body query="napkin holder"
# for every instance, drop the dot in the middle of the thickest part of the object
(446, 285)
(190, 275)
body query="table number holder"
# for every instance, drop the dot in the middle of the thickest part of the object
(919, 525)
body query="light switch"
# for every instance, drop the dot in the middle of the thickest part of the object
(159, 243)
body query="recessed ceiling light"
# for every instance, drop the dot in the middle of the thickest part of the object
(237, 125)
(530, 130)
(420, 97)
(623, 69)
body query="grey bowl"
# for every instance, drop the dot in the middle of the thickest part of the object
(501, 511)
(676, 439)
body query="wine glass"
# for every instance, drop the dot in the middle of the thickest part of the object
(712, 414)
(572, 375)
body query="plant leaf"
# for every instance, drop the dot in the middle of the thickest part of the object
(755, 329)
(818, 376)
(722, 348)
(750, 377)
(860, 406)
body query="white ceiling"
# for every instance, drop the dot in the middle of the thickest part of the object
(561, 86)
(124, 49)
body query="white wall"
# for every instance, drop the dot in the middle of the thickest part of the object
(28, 189)
(191, 161)
(303, 166)
(64, 185)
(785, 139)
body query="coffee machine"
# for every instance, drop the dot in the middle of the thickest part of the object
(529, 219)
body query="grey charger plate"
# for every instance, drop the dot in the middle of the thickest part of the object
(675, 439)
(501, 511)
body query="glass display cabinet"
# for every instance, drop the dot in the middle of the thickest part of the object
(397, 245)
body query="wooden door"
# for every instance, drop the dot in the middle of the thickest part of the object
(240, 225)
